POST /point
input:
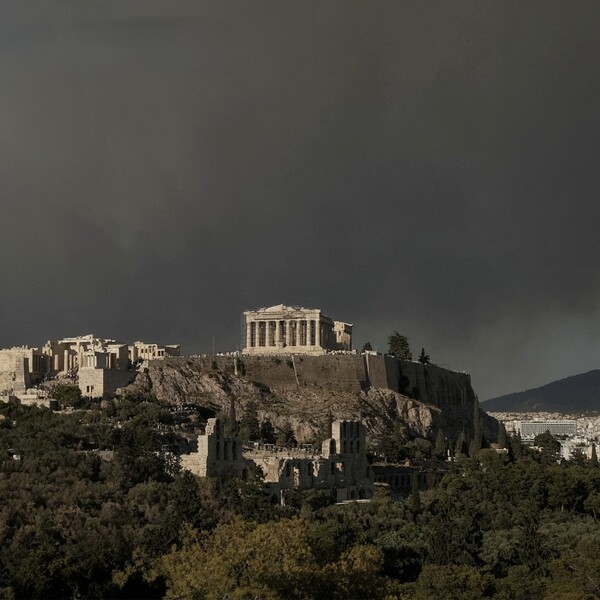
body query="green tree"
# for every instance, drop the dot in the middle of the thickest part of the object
(549, 445)
(286, 436)
(501, 436)
(367, 347)
(67, 395)
(398, 346)
(267, 432)
(594, 457)
(244, 560)
(476, 442)
(439, 448)
(415, 495)
(515, 446)
(452, 582)
(249, 424)
(419, 448)
(461, 445)
(137, 453)
(404, 552)
(355, 574)
(424, 359)
(592, 504)
(520, 585)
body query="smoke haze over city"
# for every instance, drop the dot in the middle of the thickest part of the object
(427, 167)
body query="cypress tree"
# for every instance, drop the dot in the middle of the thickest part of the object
(594, 457)
(440, 444)
(432, 475)
(502, 436)
(415, 496)
(516, 447)
(460, 444)
(475, 446)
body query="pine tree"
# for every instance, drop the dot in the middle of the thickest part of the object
(398, 346)
(424, 358)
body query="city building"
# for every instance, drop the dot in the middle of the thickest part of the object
(575, 444)
(284, 329)
(529, 429)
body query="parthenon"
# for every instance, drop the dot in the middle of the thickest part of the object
(284, 329)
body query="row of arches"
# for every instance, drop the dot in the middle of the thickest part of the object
(228, 450)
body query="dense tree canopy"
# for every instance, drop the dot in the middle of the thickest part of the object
(89, 509)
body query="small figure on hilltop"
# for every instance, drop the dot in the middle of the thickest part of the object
(398, 346)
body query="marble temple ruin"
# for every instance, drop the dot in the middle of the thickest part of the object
(284, 329)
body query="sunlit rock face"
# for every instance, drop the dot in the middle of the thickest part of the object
(308, 391)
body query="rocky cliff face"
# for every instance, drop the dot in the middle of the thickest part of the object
(302, 394)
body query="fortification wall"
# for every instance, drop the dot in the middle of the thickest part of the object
(436, 385)
(14, 371)
(97, 382)
(349, 373)
(383, 371)
(344, 372)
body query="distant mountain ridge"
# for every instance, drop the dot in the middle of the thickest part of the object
(578, 393)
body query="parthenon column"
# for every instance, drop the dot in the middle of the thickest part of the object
(277, 334)
(248, 334)
(317, 332)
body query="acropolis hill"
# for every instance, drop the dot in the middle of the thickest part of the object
(296, 367)
(306, 391)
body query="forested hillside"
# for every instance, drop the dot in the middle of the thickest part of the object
(76, 522)
(576, 394)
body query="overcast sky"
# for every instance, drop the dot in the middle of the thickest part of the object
(426, 167)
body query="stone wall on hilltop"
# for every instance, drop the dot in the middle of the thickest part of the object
(305, 391)
(14, 371)
(349, 373)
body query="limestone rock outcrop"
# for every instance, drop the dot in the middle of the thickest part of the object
(306, 394)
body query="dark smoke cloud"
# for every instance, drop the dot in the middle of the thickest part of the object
(429, 167)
